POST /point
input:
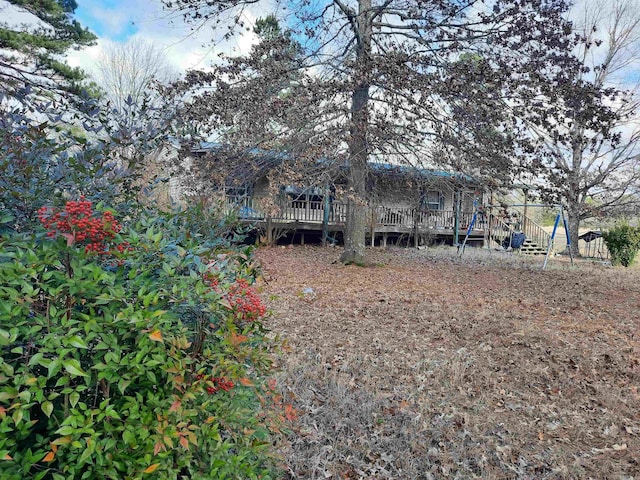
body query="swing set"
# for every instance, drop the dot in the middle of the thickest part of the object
(512, 232)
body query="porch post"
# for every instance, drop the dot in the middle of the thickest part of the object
(456, 224)
(325, 217)
(372, 229)
(307, 208)
(524, 215)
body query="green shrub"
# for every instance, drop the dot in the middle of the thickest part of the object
(141, 361)
(623, 243)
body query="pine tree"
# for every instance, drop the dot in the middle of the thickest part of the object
(31, 52)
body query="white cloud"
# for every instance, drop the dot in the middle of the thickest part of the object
(186, 48)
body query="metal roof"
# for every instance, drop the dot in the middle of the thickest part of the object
(271, 158)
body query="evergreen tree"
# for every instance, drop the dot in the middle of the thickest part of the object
(32, 45)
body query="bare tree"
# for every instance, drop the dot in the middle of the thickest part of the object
(593, 163)
(384, 78)
(127, 71)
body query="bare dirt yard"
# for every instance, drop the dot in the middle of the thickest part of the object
(422, 365)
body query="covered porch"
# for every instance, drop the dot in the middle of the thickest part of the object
(386, 222)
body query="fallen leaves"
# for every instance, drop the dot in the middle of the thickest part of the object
(245, 382)
(539, 362)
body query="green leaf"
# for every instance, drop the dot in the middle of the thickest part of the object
(73, 367)
(167, 269)
(128, 437)
(77, 342)
(87, 453)
(54, 367)
(123, 384)
(17, 416)
(37, 358)
(73, 398)
(65, 430)
(47, 408)
(62, 381)
(5, 338)
(41, 475)
(6, 369)
(8, 394)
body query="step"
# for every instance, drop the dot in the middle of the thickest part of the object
(534, 251)
(531, 248)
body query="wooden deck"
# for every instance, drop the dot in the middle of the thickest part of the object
(389, 223)
(386, 222)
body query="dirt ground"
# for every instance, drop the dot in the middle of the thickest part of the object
(423, 365)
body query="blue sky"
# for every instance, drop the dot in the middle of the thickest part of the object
(105, 18)
(120, 20)
(116, 21)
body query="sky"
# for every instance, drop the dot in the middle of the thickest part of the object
(116, 21)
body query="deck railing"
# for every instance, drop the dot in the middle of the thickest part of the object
(499, 230)
(382, 215)
(392, 216)
(535, 232)
(311, 212)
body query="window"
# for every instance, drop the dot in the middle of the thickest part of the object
(238, 196)
(433, 200)
(299, 197)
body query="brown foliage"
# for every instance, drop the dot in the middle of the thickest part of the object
(428, 366)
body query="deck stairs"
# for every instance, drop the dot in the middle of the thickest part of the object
(530, 247)
(537, 240)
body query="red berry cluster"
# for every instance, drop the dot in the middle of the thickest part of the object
(215, 383)
(245, 301)
(79, 224)
(212, 280)
(242, 297)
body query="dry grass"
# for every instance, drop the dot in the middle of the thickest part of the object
(425, 365)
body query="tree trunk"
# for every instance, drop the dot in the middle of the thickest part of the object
(356, 225)
(270, 239)
(573, 222)
(325, 216)
(574, 198)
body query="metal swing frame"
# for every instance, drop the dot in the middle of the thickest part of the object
(559, 216)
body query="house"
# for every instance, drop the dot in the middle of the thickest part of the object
(406, 205)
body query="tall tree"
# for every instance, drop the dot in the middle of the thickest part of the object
(127, 71)
(129, 75)
(379, 76)
(33, 36)
(592, 135)
(264, 100)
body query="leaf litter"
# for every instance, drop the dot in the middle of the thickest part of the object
(425, 365)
